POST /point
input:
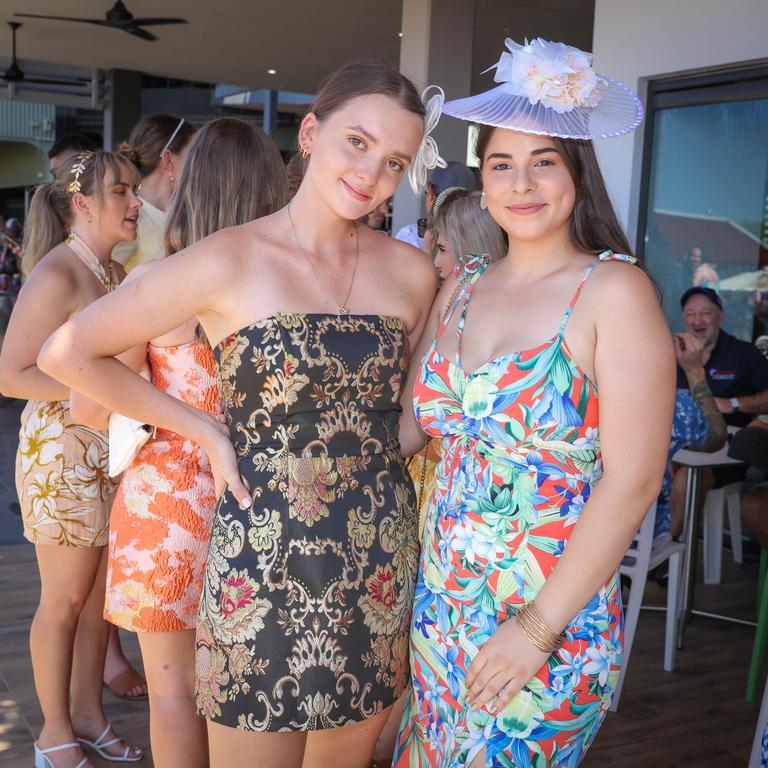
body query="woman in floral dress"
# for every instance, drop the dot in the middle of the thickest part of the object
(517, 628)
(161, 520)
(61, 465)
(302, 638)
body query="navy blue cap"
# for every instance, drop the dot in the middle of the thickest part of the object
(700, 289)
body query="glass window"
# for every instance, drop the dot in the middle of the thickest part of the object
(706, 219)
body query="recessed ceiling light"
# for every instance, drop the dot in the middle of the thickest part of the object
(399, 34)
(271, 71)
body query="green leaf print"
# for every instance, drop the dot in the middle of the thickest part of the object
(560, 374)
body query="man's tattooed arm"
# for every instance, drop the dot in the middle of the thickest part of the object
(717, 433)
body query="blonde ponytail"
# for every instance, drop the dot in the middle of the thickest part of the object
(47, 224)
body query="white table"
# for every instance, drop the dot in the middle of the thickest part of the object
(696, 462)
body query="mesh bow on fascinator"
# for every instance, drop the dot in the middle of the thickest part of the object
(550, 89)
(427, 156)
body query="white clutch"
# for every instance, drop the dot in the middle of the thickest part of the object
(126, 436)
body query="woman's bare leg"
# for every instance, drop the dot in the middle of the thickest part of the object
(230, 746)
(178, 735)
(385, 744)
(67, 576)
(121, 678)
(348, 747)
(90, 647)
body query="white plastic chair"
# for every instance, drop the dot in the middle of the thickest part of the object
(718, 503)
(755, 757)
(641, 557)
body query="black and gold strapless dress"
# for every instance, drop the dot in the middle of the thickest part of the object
(306, 603)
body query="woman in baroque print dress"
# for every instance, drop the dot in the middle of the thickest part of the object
(303, 626)
(517, 629)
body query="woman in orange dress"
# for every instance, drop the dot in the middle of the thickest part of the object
(162, 515)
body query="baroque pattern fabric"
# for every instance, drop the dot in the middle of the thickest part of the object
(520, 457)
(307, 596)
(161, 520)
(62, 479)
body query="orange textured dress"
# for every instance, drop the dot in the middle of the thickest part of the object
(161, 519)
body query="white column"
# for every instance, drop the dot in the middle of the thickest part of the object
(436, 48)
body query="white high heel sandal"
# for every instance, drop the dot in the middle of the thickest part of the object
(41, 761)
(101, 748)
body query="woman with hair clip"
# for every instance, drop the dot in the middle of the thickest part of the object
(517, 631)
(302, 634)
(161, 519)
(157, 147)
(61, 466)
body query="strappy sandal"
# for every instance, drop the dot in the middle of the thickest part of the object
(100, 747)
(42, 761)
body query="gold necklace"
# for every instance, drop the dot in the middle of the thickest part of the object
(85, 253)
(343, 306)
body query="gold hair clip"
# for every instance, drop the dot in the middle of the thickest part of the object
(78, 167)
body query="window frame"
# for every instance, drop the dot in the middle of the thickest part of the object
(740, 83)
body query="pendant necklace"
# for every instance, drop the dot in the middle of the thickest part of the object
(343, 306)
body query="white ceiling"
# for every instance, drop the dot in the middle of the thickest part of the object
(236, 41)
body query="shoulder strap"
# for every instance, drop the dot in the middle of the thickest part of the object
(467, 278)
(604, 256)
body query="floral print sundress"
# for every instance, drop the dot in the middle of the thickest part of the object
(520, 457)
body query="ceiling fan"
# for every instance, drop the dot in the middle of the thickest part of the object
(14, 73)
(117, 17)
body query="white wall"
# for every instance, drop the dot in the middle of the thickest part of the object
(635, 40)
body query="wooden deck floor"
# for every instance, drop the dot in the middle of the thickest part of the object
(694, 717)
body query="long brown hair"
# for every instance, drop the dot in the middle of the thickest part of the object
(594, 225)
(233, 173)
(150, 136)
(51, 213)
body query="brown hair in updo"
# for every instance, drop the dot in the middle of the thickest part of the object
(594, 225)
(51, 213)
(365, 77)
(149, 137)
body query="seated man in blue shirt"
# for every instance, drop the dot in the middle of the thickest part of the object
(737, 374)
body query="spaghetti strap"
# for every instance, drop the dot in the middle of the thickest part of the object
(474, 265)
(604, 256)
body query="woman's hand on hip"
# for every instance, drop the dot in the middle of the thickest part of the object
(503, 666)
(216, 442)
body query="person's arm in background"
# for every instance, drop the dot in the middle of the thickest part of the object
(689, 353)
(758, 375)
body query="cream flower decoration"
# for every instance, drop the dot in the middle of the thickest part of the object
(556, 75)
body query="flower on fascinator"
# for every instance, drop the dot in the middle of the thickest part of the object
(427, 155)
(556, 75)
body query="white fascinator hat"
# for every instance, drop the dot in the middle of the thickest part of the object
(550, 89)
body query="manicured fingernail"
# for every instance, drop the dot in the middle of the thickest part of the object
(245, 502)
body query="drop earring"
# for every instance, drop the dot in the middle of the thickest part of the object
(304, 152)
(483, 201)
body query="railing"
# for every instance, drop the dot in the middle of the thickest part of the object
(27, 121)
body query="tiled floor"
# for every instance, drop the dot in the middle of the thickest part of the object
(694, 717)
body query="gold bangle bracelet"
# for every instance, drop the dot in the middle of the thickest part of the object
(536, 630)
